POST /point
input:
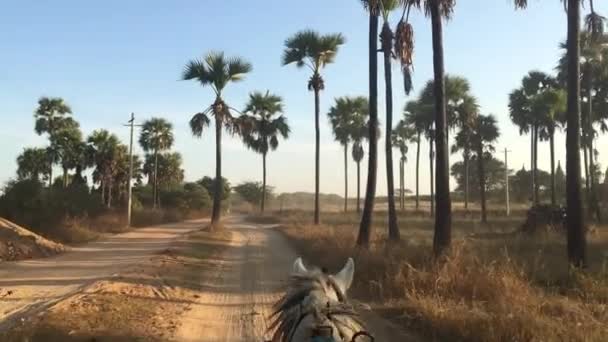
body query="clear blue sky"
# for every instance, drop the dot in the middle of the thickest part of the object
(110, 58)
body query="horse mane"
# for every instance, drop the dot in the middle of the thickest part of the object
(307, 294)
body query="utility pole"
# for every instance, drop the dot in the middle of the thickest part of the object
(131, 124)
(507, 182)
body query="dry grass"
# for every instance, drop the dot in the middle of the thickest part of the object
(495, 285)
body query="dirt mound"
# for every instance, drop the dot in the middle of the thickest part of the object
(17, 243)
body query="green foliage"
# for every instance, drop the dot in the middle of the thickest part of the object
(495, 177)
(33, 163)
(185, 198)
(520, 184)
(29, 203)
(209, 184)
(156, 135)
(309, 48)
(262, 129)
(170, 172)
(252, 192)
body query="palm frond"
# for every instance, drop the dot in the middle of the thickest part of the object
(237, 68)
(198, 123)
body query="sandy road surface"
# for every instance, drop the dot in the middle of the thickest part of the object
(37, 284)
(236, 295)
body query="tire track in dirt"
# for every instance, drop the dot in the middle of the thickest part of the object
(237, 295)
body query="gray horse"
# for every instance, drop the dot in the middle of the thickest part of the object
(315, 307)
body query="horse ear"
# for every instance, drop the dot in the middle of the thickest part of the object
(344, 278)
(298, 266)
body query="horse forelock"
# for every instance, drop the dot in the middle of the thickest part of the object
(313, 294)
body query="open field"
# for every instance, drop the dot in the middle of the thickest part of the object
(496, 284)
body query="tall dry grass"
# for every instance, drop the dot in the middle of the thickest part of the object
(495, 285)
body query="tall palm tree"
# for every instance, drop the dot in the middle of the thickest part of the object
(438, 10)
(359, 131)
(310, 49)
(365, 227)
(33, 164)
(67, 144)
(156, 136)
(51, 116)
(466, 114)
(575, 220)
(402, 136)
(386, 39)
(552, 103)
(103, 148)
(594, 68)
(528, 118)
(484, 134)
(358, 153)
(340, 117)
(264, 128)
(216, 71)
(417, 120)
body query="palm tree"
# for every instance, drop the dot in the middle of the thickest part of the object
(310, 49)
(415, 118)
(167, 167)
(359, 131)
(340, 118)
(264, 128)
(466, 114)
(363, 238)
(358, 153)
(33, 164)
(67, 144)
(528, 118)
(216, 71)
(438, 9)
(51, 116)
(402, 135)
(594, 66)
(156, 136)
(575, 220)
(484, 134)
(103, 149)
(552, 103)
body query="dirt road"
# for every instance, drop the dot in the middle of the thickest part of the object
(230, 299)
(29, 286)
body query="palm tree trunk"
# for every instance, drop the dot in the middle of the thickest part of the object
(593, 203)
(345, 177)
(103, 191)
(466, 178)
(575, 220)
(217, 191)
(155, 181)
(532, 166)
(535, 173)
(482, 183)
(358, 187)
(387, 40)
(432, 177)
(110, 185)
(417, 171)
(65, 177)
(51, 176)
(372, 166)
(317, 155)
(443, 219)
(401, 194)
(263, 181)
(586, 166)
(553, 184)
